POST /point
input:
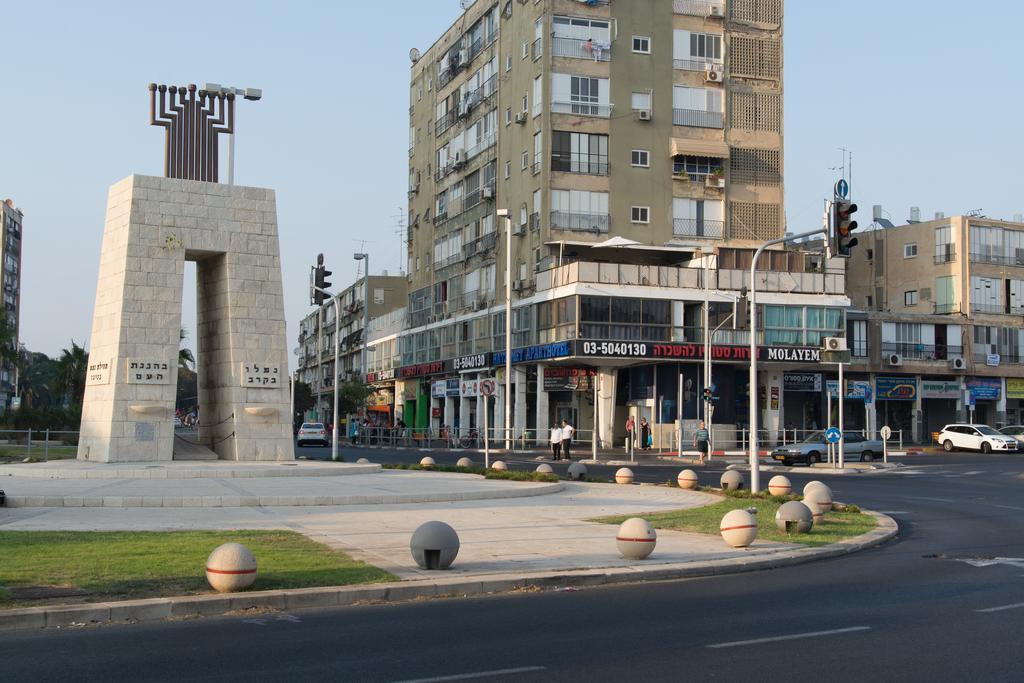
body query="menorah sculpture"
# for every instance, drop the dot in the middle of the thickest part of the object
(192, 120)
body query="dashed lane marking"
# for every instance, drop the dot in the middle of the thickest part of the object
(792, 636)
(476, 674)
(1001, 607)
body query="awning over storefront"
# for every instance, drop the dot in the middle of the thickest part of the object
(379, 409)
(701, 148)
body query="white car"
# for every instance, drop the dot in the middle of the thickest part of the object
(1016, 431)
(313, 432)
(975, 438)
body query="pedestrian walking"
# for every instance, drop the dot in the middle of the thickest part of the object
(645, 434)
(700, 440)
(556, 442)
(630, 428)
(567, 432)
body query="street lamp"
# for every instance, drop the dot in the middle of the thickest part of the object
(251, 94)
(504, 213)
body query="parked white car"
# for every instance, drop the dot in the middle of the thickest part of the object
(1016, 431)
(975, 438)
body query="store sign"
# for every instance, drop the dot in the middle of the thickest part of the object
(933, 389)
(896, 388)
(619, 349)
(438, 388)
(1014, 387)
(568, 379)
(472, 362)
(451, 387)
(422, 369)
(534, 353)
(382, 376)
(985, 389)
(992, 360)
(381, 397)
(802, 381)
(469, 388)
(856, 389)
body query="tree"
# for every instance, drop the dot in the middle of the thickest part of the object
(69, 374)
(9, 353)
(35, 379)
(352, 395)
(186, 360)
(303, 398)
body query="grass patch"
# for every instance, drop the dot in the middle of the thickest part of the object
(516, 475)
(147, 564)
(511, 475)
(706, 520)
(9, 454)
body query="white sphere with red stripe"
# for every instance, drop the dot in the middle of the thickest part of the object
(464, 462)
(731, 480)
(779, 486)
(230, 567)
(819, 500)
(624, 475)
(544, 468)
(427, 462)
(636, 538)
(738, 528)
(499, 466)
(815, 484)
(687, 479)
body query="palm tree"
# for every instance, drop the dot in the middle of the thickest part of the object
(186, 360)
(8, 342)
(69, 373)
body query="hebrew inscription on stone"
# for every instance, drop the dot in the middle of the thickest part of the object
(148, 372)
(261, 375)
(98, 372)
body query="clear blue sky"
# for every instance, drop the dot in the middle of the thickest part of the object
(331, 133)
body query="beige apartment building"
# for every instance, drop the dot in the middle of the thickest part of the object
(637, 147)
(937, 313)
(11, 220)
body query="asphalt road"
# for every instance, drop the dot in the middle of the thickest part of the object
(918, 608)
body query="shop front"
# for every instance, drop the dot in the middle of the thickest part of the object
(896, 397)
(986, 393)
(1014, 400)
(801, 400)
(939, 399)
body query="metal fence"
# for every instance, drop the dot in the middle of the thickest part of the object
(38, 444)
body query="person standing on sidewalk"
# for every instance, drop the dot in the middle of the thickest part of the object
(556, 442)
(567, 432)
(630, 428)
(700, 440)
(645, 434)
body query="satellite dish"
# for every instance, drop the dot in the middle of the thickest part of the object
(466, 4)
(414, 55)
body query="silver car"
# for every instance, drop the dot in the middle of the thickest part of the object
(813, 449)
(1016, 431)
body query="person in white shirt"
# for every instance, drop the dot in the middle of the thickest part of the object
(567, 432)
(556, 442)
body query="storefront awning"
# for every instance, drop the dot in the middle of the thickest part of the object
(702, 148)
(379, 409)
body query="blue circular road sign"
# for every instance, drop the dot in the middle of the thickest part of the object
(842, 188)
(833, 435)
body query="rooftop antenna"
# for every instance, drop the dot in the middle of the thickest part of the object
(975, 213)
(399, 219)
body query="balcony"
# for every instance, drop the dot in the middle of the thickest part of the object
(693, 227)
(535, 221)
(988, 308)
(699, 8)
(537, 49)
(444, 123)
(697, 118)
(998, 259)
(915, 351)
(580, 222)
(485, 90)
(982, 357)
(578, 48)
(481, 145)
(943, 309)
(945, 253)
(565, 163)
(696, 64)
(602, 111)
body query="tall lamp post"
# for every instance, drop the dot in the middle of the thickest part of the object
(251, 94)
(504, 213)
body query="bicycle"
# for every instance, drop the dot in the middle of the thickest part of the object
(471, 440)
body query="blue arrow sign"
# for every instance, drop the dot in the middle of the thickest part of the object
(842, 188)
(833, 435)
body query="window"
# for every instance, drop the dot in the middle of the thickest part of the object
(378, 295)
(642, 45)
(641, 101)
(986, 294)
(910, 298)
(640, 157)
(944, 294)
(508, 115)
(537, 98)
(538, 152)
(526, 103)
(699, 107)
(579, 210)
(696, 168)
(697, 218)
(694, 51)
(508, 63)
(944, 251)
(526, 50)
(910, 250)
(584, 91)
(579, 153)
(640, 214)
(508, 169)
(526, 160)
(581, 95)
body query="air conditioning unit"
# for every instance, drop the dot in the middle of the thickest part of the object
(957, 364)
(713, 73)
(519, 229)
(517, 285)
(463, 57)
(414, 189)
(463, 109)
(521, 117)
(643, 114)
(894, 359)
(488, 193)
(714, 181)
(715, 10)
(834, 343)
(459, 160)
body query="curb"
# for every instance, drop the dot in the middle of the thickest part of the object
(876, 468)
(343, 596)
(159, 473)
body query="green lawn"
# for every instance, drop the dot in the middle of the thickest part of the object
(129, 565)
(706, 520)
(19, 453)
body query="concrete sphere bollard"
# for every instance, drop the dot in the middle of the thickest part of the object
(464, 462)
(731, 480)
(738, 528)
(794, 518)
(499, 466)
(687, 479)
(624, 475)
(544, 468)
(814, 484)
(636, 538)
(577, 471)
(362, 461)
(819, 500)
(434, 545)
(427, 462)
(230, 567)
(779, 486)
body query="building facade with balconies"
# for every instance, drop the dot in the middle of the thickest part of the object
(939, 307)
(11, 221)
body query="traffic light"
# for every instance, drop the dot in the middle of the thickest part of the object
(707, 394)
(320, 283)
(843, 226)
(742, 317)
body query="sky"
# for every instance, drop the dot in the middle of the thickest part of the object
(331, 133)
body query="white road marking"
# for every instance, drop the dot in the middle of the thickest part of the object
(792, 636)
(1017, 562)
(967, 474)
(894, 512)
(477, 674)
(1001, 607)
(940, 500)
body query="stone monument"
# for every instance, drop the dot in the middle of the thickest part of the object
(154, 225)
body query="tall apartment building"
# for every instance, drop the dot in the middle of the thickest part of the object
(633, 144)
(11, 220)
(937, 321)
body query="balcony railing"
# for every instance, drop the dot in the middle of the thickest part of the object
(988, 308)
(999, 259)
(581, 222)
(915, 351)
(982, 357)
(942, 309)
(481, 145)
(537, 49)
(579, 48)
(944, 253)
(697, 118)
(535, 221)
(696, 64)
(699, 8)
(693, 227)
(586, 109)
(566, 164)
(444, 123)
